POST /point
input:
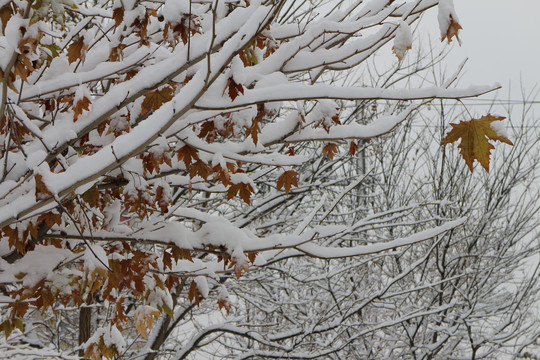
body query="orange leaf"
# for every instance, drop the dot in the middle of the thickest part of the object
(77, 50)
(474, 136)
(154, 99)
(287, 180)
(452, 31)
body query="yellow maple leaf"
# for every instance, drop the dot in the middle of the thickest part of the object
(475, 135)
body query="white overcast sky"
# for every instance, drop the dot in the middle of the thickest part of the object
(501, 39)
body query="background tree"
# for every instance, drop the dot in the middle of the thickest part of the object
(470, 293)
(154, 150)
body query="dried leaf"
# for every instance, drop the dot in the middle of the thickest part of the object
(118, 16)
(188, 154)
(5, 14)
(80, 106)
(234, 88)
(91, 196)
(194, 293)
(244, 190)
(42, 192)
(287, 180)
(77, 50)
(185, 254)
(221, 174)
(154, 99)
(144, 319)
(201, 169)
(50, 219)
(224, 303)
(452, 31)
(252, 255)
(330, 149)
(20, 70)
(208, 131)
(353, 148)
(254, 130)
(163, 199)
(290, 151)
(152, 161)
(474, 136)
(117, 52)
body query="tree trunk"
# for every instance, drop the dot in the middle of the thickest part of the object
(85, 318)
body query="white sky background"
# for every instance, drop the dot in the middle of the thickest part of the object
(501, 39)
